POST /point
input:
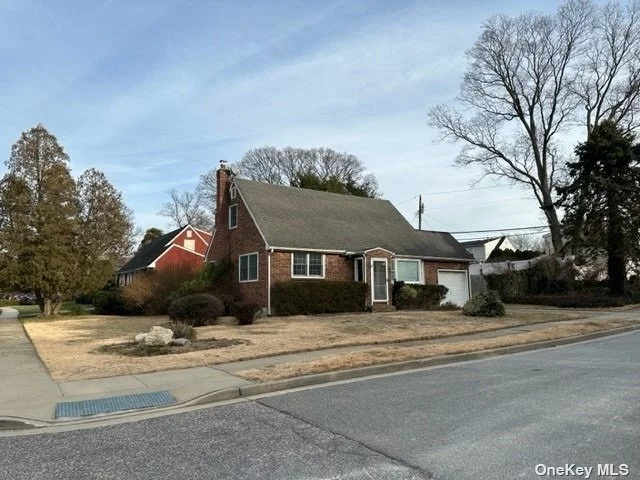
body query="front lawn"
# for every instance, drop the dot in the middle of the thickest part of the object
(28, 311)
(70, 346)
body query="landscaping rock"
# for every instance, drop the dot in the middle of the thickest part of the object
(181, 342)
(158, 336)
(139, 338)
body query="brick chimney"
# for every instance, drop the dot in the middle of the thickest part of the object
(223, 178)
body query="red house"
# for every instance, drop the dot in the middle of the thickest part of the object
(182, 246)
(273, 233)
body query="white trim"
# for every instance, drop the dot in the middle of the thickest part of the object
(246, 205)
(439, 259)
(324, 267)
(233, 190)
(453, 270)
(386, 272)
(315, 250)
(235, 205)
(174, 245)
(257, 267)
(209, 245)
(195, 230)
(378, 248)
(420, 270)
(178, 234)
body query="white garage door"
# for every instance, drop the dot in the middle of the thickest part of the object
(457, 284)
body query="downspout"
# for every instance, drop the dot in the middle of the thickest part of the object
(269, 252)
(364, 277)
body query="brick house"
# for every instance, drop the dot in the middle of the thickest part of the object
(184, 246)
(274, 233)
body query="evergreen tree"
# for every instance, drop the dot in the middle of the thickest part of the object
(57, 236)
(602, 200)
(149, 236)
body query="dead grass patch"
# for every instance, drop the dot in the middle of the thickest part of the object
(399, 353)
(68, 346)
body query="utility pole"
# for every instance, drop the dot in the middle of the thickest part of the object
(420, 212)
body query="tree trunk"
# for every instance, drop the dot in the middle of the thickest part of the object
(554, 225)
(56, 305)
(616, 268)
(46, 308)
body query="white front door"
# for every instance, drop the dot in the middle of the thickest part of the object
(458, 285)
(379, 280)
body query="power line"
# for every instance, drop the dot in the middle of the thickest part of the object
(452, 191)
(502, 229)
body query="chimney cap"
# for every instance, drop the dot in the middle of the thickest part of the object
(224, 164)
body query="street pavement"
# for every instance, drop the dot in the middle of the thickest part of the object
(493, 419)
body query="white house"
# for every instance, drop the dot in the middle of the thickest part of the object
(482, 249)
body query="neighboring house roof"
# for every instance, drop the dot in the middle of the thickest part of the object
(297, 218)
(145, 257)
(479, 243)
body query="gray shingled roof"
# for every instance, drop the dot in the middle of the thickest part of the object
(292, 217)
(147, 254)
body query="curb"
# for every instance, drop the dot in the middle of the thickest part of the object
(257, 389)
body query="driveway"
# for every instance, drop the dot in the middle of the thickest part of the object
(497, 418)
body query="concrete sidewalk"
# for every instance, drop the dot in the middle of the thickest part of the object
(28, 392)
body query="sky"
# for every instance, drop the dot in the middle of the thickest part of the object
(155, 93)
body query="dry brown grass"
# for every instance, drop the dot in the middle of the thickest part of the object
(399, 353)
(68, 346)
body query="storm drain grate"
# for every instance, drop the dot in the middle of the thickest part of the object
(99, 406)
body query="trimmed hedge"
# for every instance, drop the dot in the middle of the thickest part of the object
(575, 300)
(109, 302)
(319, 296)
(418, 297)
(196, 310)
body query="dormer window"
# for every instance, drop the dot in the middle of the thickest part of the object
(233, 216)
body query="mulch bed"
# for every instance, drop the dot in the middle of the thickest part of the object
(133, 349)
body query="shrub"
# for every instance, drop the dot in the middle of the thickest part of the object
(576, 300)
(485, 304)
(419, 297)
(8, 302)
(449, 306)
(196, 310)
(181, 330)
(151, 294)
(320, 296)
(108, 302)
(85, 298)
(245, 312)
(406, 297)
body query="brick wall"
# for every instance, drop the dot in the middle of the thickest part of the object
(337, 267)
(231, 243)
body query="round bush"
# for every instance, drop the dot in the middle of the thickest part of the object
(196, 310)
(406, 296)
(245, 312)
(485, 304)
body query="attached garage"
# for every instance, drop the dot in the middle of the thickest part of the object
(457, 282)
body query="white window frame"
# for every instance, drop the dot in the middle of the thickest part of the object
(324, 265)
(232, 192)
(189, 233)
(373, 290)
(193, 242)
(240, 268)
(420, 270)
(235, 205)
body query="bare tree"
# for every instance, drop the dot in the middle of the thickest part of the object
(608, 86)
(206, 190)
(185, 208)
(526, 81)
(284, 167)
(527, 241)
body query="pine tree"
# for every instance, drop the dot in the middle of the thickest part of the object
(602, 200)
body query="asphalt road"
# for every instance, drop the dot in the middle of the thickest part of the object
(495, 419)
